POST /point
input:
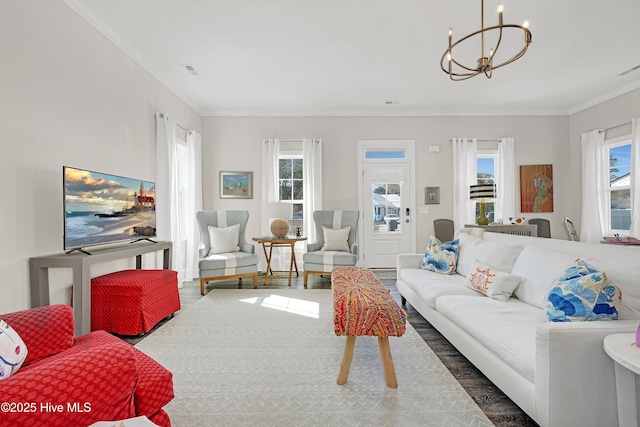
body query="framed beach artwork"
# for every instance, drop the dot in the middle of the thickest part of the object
(536, 188)
(236, 185)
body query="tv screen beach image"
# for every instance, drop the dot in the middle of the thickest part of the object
(102, 208)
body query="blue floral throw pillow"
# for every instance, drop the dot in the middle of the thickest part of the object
(583, 293)
(441, 257)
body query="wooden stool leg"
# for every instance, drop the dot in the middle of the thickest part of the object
(346, 360)
(387, 362)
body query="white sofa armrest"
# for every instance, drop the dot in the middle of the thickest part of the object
(570, 362)
(408, 261)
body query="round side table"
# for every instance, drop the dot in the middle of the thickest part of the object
(626, 355)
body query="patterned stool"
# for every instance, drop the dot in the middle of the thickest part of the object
(363, 307)
(131, 302)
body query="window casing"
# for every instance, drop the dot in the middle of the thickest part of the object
(618, 196)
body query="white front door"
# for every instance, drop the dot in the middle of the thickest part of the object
(387, 202)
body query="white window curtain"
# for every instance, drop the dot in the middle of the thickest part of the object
(465, 151)
(312, 183)
(193, 203)
(505, 180)
(270, 190)
(595, 171)
(635, 178)
(167, 223)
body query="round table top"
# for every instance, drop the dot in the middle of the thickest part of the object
(622, 348)
(285, 239)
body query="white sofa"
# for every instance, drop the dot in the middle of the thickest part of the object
(557, 372)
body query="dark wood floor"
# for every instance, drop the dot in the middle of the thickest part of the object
(495, 404)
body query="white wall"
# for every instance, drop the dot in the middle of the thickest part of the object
(233, 144)
(68, 97)
(617, 111)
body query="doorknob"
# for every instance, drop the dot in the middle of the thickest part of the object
(406, 220)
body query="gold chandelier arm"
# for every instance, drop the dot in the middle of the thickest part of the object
(475, 71)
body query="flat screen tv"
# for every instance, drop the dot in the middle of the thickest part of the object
(100, 208)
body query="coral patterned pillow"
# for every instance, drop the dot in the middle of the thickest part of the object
(441, 257)
(491, 282)
(13, 351)
(583, 293)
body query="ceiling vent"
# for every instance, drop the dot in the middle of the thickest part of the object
(190, 69)
(630, 70)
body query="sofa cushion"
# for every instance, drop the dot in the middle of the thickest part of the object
(627, 279)
(224, 239)
(466, 253)
(441, 257)
(471, 231)
(430, 285)
(227, 260)
(582, 293)
(500, 256)
(507, 329)
(539, 268)
(491, 282)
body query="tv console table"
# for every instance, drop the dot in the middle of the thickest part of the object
(81, 263)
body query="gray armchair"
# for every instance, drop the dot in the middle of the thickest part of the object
(321, 259)
(544, 226)
(219, 264)
(443, 229)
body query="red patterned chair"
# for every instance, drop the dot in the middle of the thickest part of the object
(67, 381)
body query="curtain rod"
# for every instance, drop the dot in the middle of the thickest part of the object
(482, 140)
(162, 115)
(616, 126)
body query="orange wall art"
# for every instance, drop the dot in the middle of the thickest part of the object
(536, 188)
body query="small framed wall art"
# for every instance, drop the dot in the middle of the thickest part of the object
(236, 185)
(432, 195)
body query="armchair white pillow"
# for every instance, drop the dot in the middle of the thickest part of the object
(224, 240)
(336, 240)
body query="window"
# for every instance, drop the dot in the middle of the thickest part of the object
(486, 170)
(619, 188)
(290, 183)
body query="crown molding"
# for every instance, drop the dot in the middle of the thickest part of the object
(378, 113)
(79, 7)
(605, 97)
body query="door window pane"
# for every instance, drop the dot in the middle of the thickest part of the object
(387, 207)
(372, 154)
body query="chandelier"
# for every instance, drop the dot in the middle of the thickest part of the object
(457, 70)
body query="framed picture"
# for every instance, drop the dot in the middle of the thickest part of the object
(536, 188)
(236, 185)
(432, 195)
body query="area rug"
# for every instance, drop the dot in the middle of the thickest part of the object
(270, 358)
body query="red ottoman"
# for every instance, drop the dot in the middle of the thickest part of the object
(131, 302)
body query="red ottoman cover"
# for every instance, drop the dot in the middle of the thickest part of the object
(130, 302)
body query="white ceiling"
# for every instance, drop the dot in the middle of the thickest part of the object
(348, 57)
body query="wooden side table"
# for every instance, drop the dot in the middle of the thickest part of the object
(626, 355)
(279, 242)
